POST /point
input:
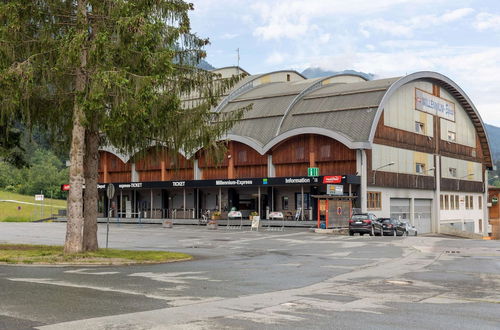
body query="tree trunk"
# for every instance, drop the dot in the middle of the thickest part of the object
(74, 227)
(91, 194)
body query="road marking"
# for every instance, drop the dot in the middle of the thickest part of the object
(85, 271)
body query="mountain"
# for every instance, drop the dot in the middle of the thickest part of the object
(318, 72)
(494, 138)
(205, 65)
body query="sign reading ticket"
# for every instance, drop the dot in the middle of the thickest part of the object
(434, 105)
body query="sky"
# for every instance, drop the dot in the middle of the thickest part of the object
(457, 38)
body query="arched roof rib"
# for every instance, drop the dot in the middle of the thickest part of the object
(348, 111)
(455, 90)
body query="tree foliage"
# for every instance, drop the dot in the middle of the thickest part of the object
(112, 70)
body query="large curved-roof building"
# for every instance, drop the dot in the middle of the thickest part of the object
(412, 148)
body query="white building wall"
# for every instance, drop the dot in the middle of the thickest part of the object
(400, 111)
(463, 167)
(404, 160)
(459, 217)
(388, 193)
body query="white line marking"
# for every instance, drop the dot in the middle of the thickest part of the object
(84, 271)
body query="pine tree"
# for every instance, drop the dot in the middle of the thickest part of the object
(108, 72)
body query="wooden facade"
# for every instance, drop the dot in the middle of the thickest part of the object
(397, 180)
(291, 157)
(399, 138)
(113, 169)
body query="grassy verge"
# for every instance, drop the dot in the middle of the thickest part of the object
(50, 254)
(15, 210)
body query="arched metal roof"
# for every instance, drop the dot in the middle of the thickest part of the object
(452, 88)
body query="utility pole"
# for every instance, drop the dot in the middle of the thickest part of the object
(238, 59)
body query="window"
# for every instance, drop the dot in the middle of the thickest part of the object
(471, 202)
(284, 202)
(299, 153)
(288, 77)
(453, 172)
(480, 202)
(324, 151)
(452, 203)
(419, 168)
(298, 201)
(457, 202)
(242, 156)
(374, 200)
(446, 202)
(419, 127)
(441, 202)
(452, 136)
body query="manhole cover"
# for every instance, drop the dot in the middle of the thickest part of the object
(453, 251)
(399, 282)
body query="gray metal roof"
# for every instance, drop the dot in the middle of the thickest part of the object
(282, 107)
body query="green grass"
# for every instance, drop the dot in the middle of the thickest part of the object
(50, 254)
(10, 211)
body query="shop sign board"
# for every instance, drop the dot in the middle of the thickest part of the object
(243, 182)
(434, 105)
(335, 189)
(333, 178)
(65, 187)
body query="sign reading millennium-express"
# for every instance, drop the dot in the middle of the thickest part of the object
(434, 105)
(247, 182)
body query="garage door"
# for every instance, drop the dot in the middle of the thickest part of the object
(400, 209)
(423, 215)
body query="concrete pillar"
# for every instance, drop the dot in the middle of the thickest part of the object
(302, 202)
(230, 163)
(364, 175)
(271, 172)
(412, 211)
(197, 170)
(486, 218)
(258, 201)
(135, 175)
(220, 199)
(436, 209)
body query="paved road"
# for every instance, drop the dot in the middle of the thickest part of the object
(266, 280)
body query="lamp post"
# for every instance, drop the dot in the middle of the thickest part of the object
(378, 168)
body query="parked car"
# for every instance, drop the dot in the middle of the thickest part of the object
(365, 223)
(410, 230)
(392, 227)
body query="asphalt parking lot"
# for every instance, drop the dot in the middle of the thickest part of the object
(257, 280)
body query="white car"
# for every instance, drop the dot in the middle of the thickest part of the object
(410, 230)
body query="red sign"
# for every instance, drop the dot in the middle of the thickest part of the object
(332, 179)
(65, 187)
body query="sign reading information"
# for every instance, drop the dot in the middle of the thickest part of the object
(434, 105)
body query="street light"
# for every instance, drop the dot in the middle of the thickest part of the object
(378, 168)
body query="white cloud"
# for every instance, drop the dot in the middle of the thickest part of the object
(229, 36)
(275, 58)
(487, 21)
(406, 27)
